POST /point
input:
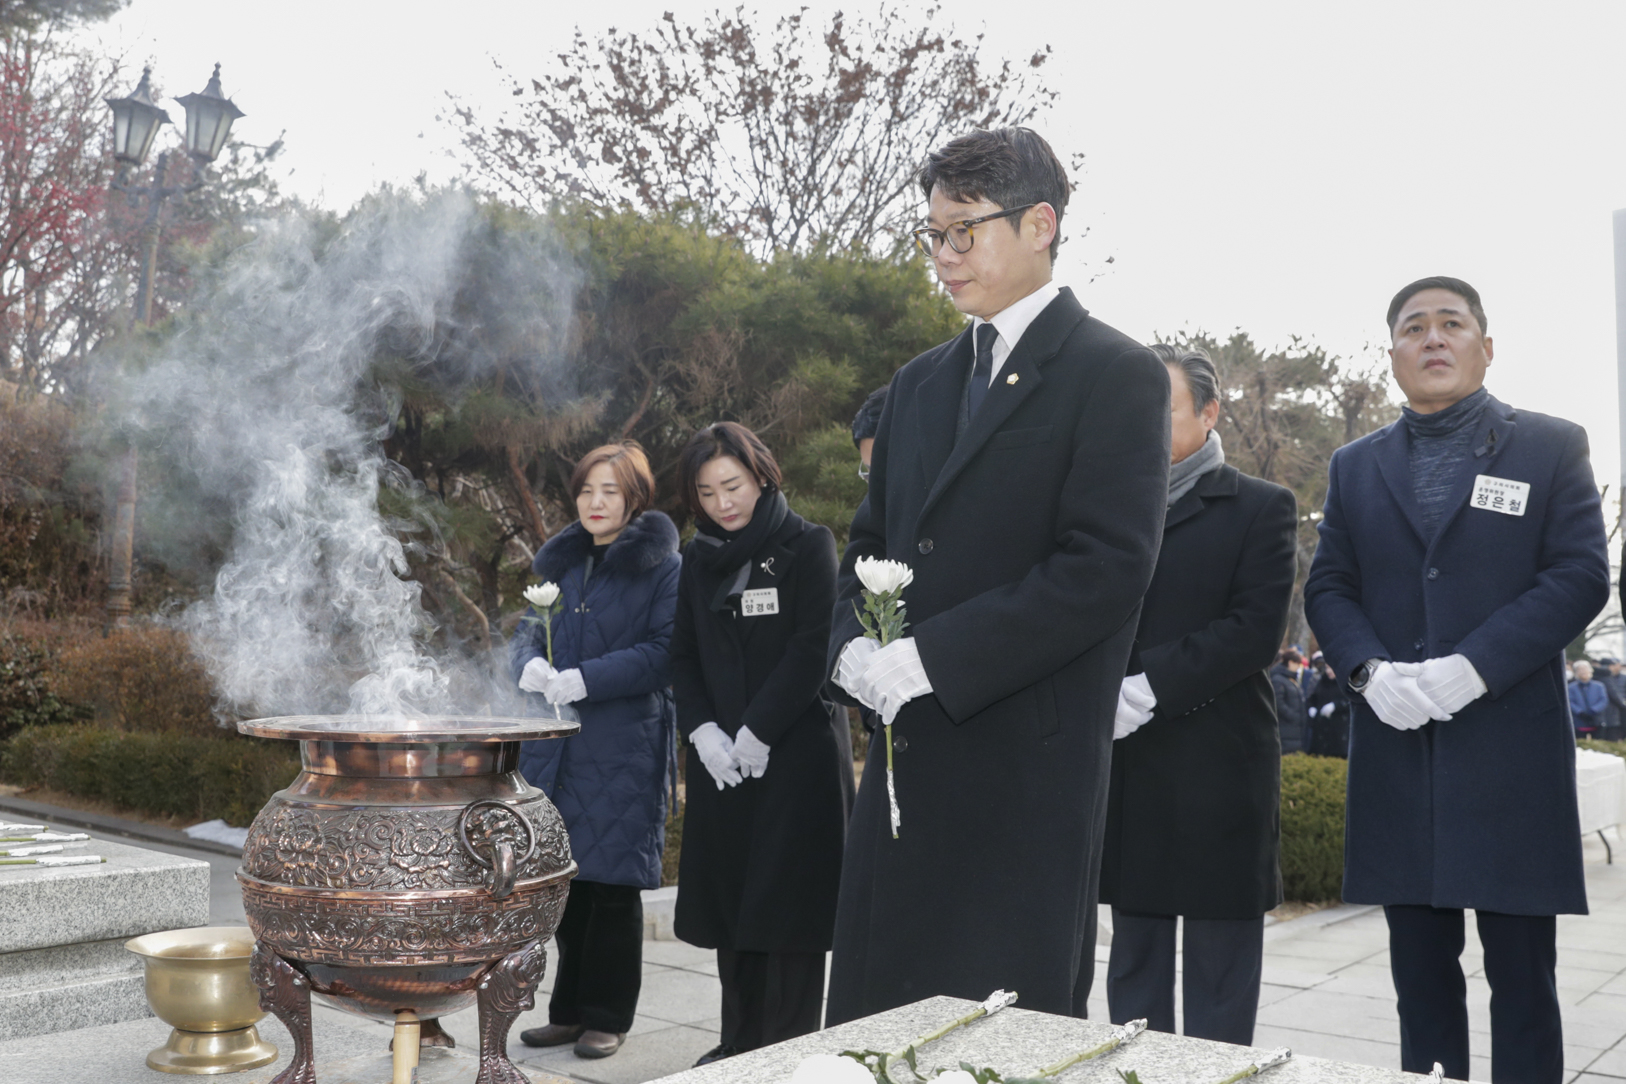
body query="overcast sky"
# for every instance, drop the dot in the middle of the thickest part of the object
(1280, 168)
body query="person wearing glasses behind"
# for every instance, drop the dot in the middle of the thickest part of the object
(1021, 471)
(769, 770)
(617, 570)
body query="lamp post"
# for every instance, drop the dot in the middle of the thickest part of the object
(136, 120)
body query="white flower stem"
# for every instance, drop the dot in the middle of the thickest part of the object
(893, 813)
(1121, 1036)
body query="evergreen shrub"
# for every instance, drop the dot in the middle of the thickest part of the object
(26, 695)
(197, 777)
(1313, 826)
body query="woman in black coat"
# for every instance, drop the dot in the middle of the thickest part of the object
(1192, 809)
(617, 571)
(769, 769)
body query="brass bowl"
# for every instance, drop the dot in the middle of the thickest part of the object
(198, 984)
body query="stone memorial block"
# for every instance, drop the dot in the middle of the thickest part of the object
(63, 964)
(1017, 1042)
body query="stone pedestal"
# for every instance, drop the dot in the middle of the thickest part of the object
(63, 964)
(1016, 1042)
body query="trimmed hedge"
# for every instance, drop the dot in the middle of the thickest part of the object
(167, 774)
(141, 678)
(1313, 826)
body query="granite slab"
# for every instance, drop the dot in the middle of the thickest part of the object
(71, 1005)
(1019, 1041)
(135, 891)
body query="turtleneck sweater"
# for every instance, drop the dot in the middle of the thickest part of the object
(1439, 444)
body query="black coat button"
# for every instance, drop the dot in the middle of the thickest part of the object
(1418, 646)
(925, 545)
(1433, 573)
(900, 743)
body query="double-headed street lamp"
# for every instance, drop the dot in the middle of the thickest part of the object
(136, 120)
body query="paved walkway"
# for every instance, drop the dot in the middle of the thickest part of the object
(1326, 993)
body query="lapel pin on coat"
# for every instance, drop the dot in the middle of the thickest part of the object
(767, 566)
(1013, 378)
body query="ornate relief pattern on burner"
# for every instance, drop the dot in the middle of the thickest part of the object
(387, 848)
(349, 932)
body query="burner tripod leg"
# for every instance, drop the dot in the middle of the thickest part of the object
(285, 992)
(505, 991)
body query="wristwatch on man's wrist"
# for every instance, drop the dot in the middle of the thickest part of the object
(1362, 674)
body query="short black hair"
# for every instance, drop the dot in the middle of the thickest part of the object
(1010, 167)
(714, 442)
(1440, 282)
(867, 422)
(1201, 376)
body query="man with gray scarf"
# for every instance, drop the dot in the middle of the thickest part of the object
(1192, 809)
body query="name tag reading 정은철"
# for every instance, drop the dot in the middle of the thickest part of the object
(1500, 495)
(759, 603)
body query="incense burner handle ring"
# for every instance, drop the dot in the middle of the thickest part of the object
(503, 863)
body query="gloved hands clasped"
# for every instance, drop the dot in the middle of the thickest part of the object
(1407, 695)
(730, 760)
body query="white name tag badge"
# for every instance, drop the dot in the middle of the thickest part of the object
(765, 601)
(1500, 495)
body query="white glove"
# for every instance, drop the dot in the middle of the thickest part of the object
(750, 754)
(1393, 694)
(566, 687)
(716, 753)
(1135, 703)
(1451, 682)
(536, 675)
(850, 666)
(894, 676)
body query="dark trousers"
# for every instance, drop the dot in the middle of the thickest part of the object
(601, 957)
(769, 997)
(1521, 958)
(1221, 975)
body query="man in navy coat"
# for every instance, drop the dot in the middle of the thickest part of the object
(1462, 548)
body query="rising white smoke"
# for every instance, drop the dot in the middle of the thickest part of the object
(263, 396)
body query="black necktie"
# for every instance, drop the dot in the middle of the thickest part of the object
(983, 371)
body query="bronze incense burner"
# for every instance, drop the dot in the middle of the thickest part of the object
(409, 868)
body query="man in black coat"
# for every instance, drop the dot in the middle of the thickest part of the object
(1192, 818)
(1462, 549)
(1019, 470)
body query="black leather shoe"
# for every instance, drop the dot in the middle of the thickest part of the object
(552, 1035)
(599, 1044)
(717, 1053)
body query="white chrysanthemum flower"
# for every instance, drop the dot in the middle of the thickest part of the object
(883, 576)
(542, 595)
(830, 1069)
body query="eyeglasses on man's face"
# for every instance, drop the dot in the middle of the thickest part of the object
(960, 236)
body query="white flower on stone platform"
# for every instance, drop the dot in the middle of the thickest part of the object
(883, 577)
(830, 1069)
(542, 595)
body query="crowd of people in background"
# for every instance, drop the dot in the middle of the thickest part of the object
(1598, 698)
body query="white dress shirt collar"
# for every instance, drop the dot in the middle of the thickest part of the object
(1013, 321)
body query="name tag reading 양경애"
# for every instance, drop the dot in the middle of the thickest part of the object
(1500, 495)
(759, 603)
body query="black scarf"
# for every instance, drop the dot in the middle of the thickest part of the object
(728, 554)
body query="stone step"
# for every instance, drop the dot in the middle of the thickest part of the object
(83, 1003)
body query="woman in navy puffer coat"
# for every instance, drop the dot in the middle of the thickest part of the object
(617, 570)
